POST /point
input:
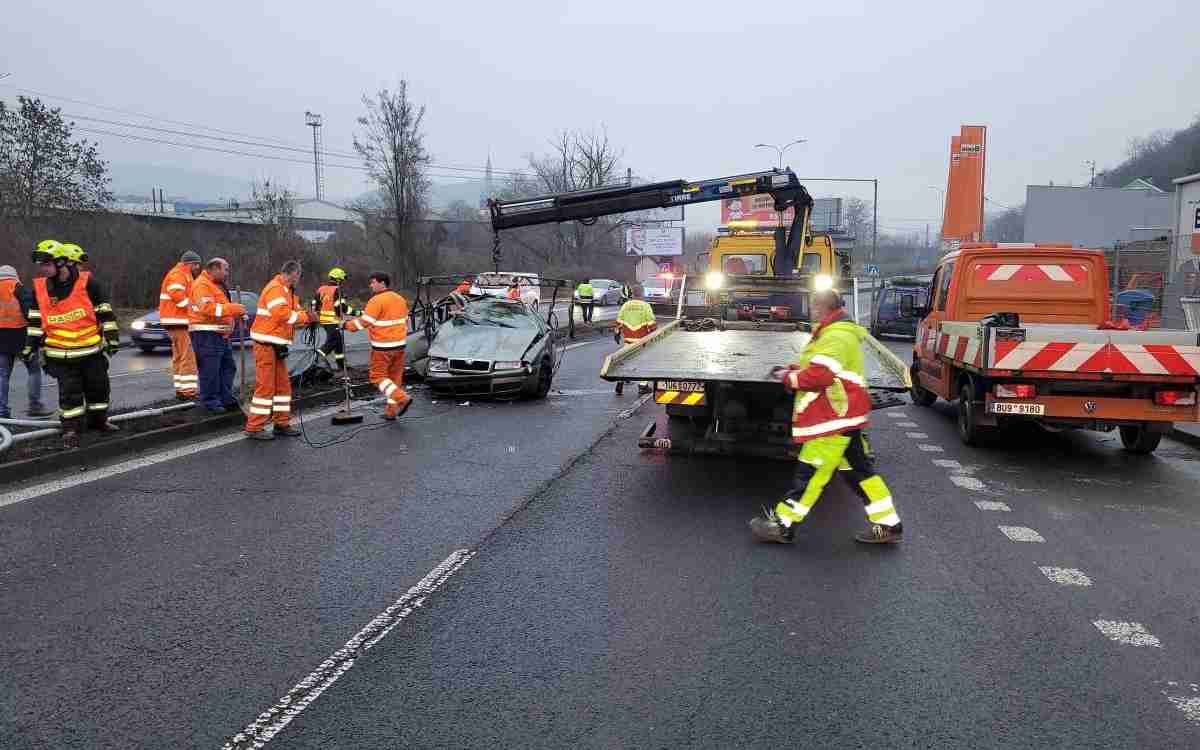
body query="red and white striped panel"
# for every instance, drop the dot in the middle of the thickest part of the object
(1031, 272)
(960, 348)
(1123, 359)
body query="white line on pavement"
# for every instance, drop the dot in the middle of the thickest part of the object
(931, 448)
(967, 483)
(272, 721)
(897, 415)
(1066, 576)
(1021, 534)
(916, 435)
(993, 505)
(637, 405)
(133, 464)
(947, 463)
(576, 346)
(1188, 704)
(907, 424)
(1129, 633)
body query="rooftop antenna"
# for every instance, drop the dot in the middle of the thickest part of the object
(314, 121)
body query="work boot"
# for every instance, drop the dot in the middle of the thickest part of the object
(620, 387)
(768, 528)
(879, 534)
(37, 410)
(404, 407)
(260, 435)
(643, 388)
(286, 430)
(70, 439)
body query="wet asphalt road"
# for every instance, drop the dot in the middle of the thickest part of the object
(614, 598)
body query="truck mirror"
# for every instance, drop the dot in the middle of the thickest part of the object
(908, 307)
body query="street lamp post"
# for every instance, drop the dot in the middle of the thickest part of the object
(779, 150)
(942, 194)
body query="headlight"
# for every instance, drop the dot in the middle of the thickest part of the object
(138, 325)
(439, 364)
(500, 365)
(714, 280)
(823, 282)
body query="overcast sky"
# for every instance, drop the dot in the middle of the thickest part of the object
(686, 89)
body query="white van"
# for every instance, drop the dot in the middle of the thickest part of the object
(496, 285)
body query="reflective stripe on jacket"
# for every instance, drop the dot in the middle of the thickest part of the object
(386, 320)
(636, 321)
(10, 307)
(329, 304)
(70, 326)
(279, 312)
(829, 381)
(173, 299)
(210, 308)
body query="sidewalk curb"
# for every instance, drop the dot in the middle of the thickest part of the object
(1185, 437)
(86, 457)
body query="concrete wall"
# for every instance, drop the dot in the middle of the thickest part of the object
(1093, 217)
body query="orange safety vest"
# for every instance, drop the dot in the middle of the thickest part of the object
(463, 288)
(70, 324)
(514, 293)
(329, 297)
(210, 308)
(386, 319)
(173, 296)
(279, 312)
(10, 307)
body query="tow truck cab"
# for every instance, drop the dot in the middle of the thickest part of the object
(743, 279)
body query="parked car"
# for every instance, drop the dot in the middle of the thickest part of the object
(494, 347)
(148, 334)
(895, 306)
(604, 291)
(496, 285)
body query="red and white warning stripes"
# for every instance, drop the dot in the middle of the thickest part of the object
(1066, 272)
(1126, 359)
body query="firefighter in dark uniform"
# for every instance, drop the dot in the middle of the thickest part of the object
(73, 323)
(330, 306)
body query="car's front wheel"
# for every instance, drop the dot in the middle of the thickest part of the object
(147, 348)
(540, 386)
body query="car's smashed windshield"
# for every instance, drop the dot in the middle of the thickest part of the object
(500, 313)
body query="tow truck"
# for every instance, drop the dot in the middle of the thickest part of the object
(713, 375)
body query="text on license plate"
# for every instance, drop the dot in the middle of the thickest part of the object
(687, 386)
(1030, 409)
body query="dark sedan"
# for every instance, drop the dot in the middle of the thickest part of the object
(148, 334)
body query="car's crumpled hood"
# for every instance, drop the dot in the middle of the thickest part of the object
(468, 341)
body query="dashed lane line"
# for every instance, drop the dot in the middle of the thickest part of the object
(272, 721)
(907, 424)
(1021, 534)
(916, 435)
(1188, 703)
(947, 463)
(896, 414)
(1066, 576)
(1129, 633)
(931, 448)
(993, 505)
(967, 482)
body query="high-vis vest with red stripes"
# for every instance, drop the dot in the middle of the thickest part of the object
(70, 325)
(173, 297)
(841, 403)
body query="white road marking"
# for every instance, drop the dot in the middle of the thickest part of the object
(897, 414)
(916, 435)
(582, 343)
(1129, 633)
(1188, 704)
(1066, 576)
(947, 463)
(993, 505)
(907, 424)
(931, 448)
(272, 721)
(133, 464)
(636, 405)
(1021, 534)
(967, 483)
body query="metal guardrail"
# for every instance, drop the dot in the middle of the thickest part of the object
(53, 427)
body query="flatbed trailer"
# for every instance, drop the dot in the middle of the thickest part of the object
(714, 380)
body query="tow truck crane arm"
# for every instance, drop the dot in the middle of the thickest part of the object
(588, 205)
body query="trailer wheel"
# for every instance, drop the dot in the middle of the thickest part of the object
(921, 395)
(969, 430)
(1139, 439)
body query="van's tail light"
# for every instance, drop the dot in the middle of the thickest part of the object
(1015, 390)
(1175, 398)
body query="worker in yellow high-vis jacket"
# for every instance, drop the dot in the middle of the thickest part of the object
(635, 321)
(829, 413)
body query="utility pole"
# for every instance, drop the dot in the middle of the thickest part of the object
(1091, 163)
(314, 121)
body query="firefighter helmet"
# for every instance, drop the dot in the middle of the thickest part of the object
(47, 251)
(74, 253)
(337, 274)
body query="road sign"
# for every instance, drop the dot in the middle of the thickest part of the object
(870, 269)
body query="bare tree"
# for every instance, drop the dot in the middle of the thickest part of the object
(275, 208)
(42, 167)
(392, 147)
(857, 218)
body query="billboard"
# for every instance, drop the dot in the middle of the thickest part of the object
(653, 239)
(963, 218)
(826, 214)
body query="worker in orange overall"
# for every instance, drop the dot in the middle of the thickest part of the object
(386, 321)
(279, 312)
(173, 306)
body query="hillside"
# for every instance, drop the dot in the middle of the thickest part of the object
(1159, 157)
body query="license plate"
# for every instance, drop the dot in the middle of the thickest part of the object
(1035, 410)
(687, 386)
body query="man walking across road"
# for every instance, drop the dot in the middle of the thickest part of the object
(73, 322)
(386, 320)
(279, 312)
(331, 306)
(15, 301)
(173, 316)
(635, 321)
(211, 317)
(829, 413)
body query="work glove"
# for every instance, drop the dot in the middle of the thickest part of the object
(617, 337)
(778, 373)
(281, 352)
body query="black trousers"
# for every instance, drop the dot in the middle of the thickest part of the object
(335, 344)
(83, 389)
(588, 306)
